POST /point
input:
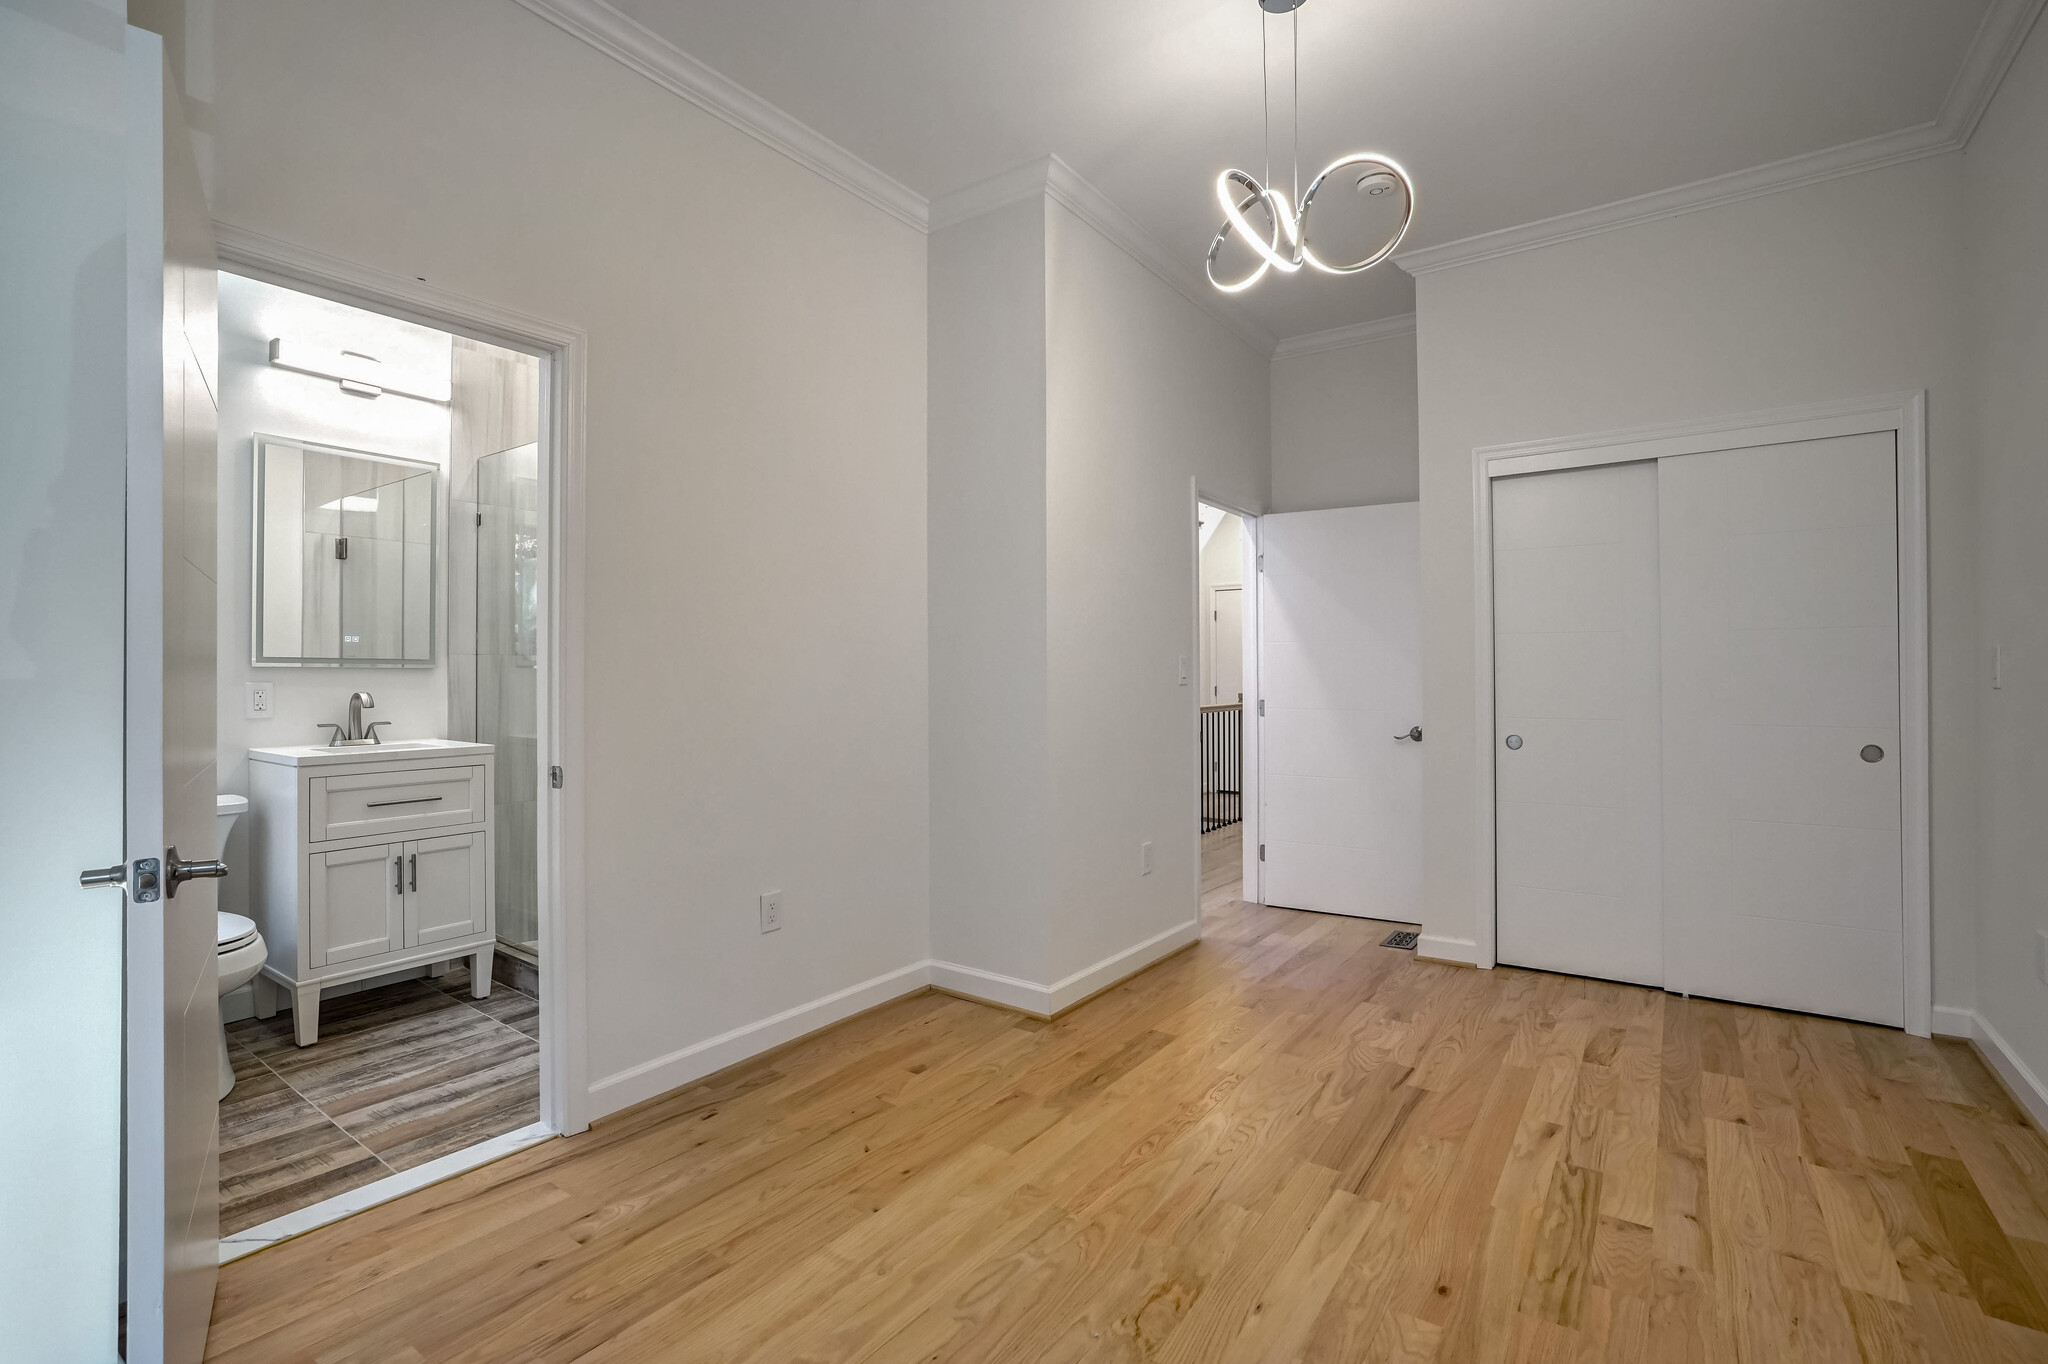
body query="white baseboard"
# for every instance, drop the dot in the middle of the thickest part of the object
(1025, 996)
(1456, 951)
(664, 1073)
(1089, 980)
(1950, 1021)
(2017, 1075)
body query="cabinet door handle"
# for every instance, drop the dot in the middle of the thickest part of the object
(416, 800)
(398, 875)
(415, 860)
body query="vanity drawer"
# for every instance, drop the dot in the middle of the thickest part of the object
(369, 804)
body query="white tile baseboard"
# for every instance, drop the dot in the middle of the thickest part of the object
(252, 1239)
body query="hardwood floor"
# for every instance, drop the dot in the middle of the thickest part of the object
(401, 1074)
(1287, 1143)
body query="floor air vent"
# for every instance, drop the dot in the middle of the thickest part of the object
(1404, 939)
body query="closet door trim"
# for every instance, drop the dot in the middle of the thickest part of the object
(1905, 415)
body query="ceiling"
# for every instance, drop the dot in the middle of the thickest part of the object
(1503, 112)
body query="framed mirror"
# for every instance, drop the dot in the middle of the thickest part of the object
(345, 548)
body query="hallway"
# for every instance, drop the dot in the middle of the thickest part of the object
(1287, 1142)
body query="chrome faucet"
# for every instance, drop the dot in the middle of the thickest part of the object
(355, 731)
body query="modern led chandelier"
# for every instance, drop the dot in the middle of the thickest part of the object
(1285, 244)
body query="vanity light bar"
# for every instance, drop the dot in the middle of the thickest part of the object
(360, 374)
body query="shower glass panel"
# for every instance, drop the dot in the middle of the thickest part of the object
(507, 704)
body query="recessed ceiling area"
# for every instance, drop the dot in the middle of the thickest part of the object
(1504, 113)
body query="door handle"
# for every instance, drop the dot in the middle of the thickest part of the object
(1414, 733)
(181, 872)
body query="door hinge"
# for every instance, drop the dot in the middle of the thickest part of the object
(341, 546)
(1262, 563)
(479, 518)
(1262, 705)
(555, 777)
(1262, 852)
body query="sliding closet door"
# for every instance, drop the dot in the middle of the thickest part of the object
(1575, 702)
(1782, 879)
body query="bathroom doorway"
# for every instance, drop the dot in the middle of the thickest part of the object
(388, 475)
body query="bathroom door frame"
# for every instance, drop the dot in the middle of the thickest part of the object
(564, 1059)
(1904, 414)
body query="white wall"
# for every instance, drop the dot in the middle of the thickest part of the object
(2005, 188)
(755, 566)
(1145, 393)
(990, 785)
(1846, 288)
(1076, 402)
(1344, 426)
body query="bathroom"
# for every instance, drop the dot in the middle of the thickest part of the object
(380, 532)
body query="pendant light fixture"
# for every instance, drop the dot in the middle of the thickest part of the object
(1286, 242)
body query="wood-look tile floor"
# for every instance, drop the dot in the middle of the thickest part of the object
(1287, 1143)
(401, 1074)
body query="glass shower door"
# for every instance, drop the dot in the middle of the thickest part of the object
(507, 701)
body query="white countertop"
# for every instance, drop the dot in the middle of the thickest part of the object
(313, 755)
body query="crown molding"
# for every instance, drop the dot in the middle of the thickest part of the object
(2000, 35)
(632, 44)
(1048, 177)
(1337, 338)
(1997, 42)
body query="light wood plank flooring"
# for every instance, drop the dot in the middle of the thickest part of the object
(1287, 1143)
(401, 1075)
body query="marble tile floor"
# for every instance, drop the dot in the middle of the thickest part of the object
(401, 1075)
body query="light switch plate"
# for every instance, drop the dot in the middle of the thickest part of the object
(256, 703)
(771, 911)
(1144, 859)
(1183, 670)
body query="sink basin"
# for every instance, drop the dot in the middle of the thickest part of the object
(300, 755)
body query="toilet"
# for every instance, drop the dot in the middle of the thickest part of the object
(241, 949)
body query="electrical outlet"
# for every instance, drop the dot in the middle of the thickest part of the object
(257, 703)
(1144, 859)
(771, 911)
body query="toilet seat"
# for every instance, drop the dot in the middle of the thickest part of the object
(233, 930)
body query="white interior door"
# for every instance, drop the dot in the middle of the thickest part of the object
(1226, 646)
(1340, 671)
(1783, 882)
(1577, 832)
(173, 1003)
(62, 267)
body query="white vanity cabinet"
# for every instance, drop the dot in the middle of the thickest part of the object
(368, 860)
